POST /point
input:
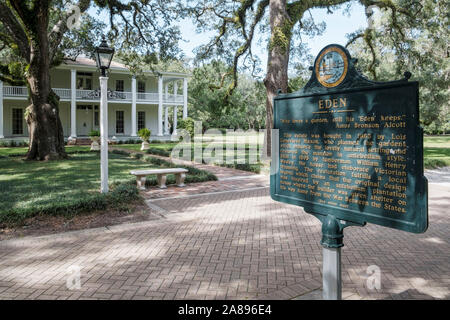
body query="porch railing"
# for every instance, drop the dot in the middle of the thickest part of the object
(83, 95)
(15, 91)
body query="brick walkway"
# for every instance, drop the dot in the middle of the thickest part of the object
(228, 241)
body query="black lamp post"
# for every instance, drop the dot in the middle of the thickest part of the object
(104, 55)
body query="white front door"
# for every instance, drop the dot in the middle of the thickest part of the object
(84, 120)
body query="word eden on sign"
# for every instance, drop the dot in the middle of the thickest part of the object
(349, 150)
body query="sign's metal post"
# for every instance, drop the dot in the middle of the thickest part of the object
(332, 241)
(332, 285)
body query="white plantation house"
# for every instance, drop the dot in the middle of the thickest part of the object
(132, 103)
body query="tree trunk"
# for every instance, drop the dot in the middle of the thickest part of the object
(42, 116)
(45, 130)
(277, 63)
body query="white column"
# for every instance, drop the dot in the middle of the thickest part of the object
(1, 110)
(175, 91)
(73, 104)
(175, 108)
(166, 110)
(175, 120)
(185, 98)
(104, 134)
(166, 120)
(160, 105)
(133, 106)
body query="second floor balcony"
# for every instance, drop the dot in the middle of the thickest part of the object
(21, 93)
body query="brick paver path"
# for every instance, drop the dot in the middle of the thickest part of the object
(229, 241)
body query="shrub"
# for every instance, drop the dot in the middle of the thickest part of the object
(121, 152)
(434, 163)
(144, 134)
(256, 168)
(122, 193)
(188, 125)
(159, 152)
(94, 133)
(137, 155)
(156, 161)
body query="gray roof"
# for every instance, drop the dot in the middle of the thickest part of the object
(89, 63)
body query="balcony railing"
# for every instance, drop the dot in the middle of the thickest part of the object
(15, 91)
(62, 93)
(89, 95)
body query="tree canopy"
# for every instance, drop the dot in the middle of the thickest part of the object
(36, 34)
(236, 23)
(245, 109)
(423, 50)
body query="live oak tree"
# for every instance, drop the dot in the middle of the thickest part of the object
(423, 50)
(244, 109)
(36, 34)
(236, 23)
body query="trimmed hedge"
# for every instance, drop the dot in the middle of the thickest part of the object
(433, 163)
(13, 143)
(158, 152)
(256, 168)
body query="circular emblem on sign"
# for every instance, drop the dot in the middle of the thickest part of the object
(331, 67)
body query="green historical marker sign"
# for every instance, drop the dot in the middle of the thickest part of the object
(350, 150)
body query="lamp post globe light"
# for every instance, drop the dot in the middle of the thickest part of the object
(103, 56)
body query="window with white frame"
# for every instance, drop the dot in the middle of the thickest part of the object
(96, 118)
(119, 85)
(141, 87)
(141, 120)
(119, 122)
(141, 90)
(84, 80)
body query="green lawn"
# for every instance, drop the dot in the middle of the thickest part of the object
(168, 146)
(70, 186)
(31, 187)
(21, 151)
(436, 151)
(436, 141)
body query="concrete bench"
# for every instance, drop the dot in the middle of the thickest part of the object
(161, 174)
